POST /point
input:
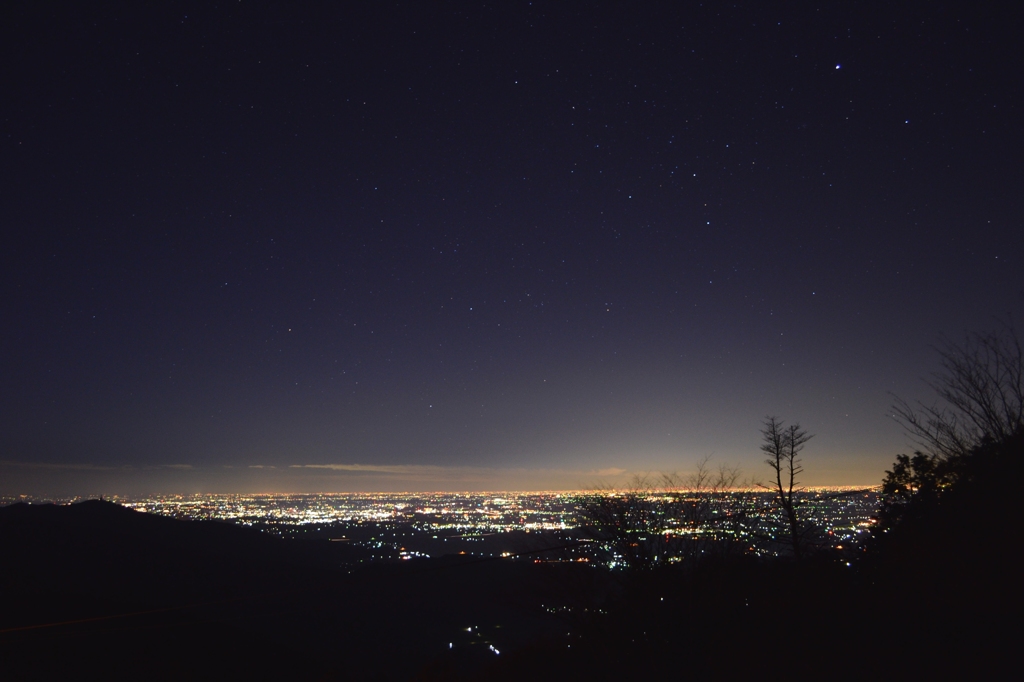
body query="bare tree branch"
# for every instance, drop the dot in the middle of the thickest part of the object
(782, 444)
(981, 393)
(683, 518)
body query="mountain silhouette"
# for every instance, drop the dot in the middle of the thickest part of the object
(98, 586)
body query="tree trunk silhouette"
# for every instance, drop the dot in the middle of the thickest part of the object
(782, 444)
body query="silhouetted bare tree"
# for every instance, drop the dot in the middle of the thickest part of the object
(658, 522)
(629, 523)
(782, 444)
(981, 394)
(709, 512)
(981, 407)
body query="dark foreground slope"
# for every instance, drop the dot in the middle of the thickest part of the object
(938, 594)
(97, 588)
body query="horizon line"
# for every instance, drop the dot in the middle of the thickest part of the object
(117, 496)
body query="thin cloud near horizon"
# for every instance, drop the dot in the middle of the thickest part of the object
(419, 469)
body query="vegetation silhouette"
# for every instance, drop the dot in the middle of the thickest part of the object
(933, 592)
(95, 586)
(667, 520)
(980, 390)
(783, 445)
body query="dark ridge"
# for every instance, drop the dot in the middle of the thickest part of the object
(98, 586)
(103, 583)
(99, 552)
(934, 596)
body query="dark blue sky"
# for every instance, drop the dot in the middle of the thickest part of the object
(471, 245)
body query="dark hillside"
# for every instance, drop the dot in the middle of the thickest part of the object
(148, 596)
(98, 557)
(802, 622)
(938, 594)
(946, 577)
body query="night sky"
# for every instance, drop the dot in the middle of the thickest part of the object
(446, 246)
